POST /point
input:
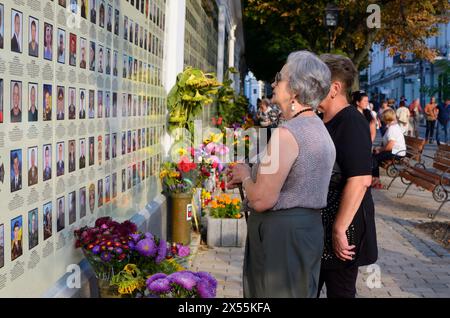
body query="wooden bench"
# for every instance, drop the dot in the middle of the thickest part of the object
(436, 180)
(414, 149)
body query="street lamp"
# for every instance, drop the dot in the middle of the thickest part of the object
(331, 20)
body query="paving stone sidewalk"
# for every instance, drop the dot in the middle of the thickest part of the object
(410, 264)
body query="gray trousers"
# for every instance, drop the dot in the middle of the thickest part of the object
(283, 254)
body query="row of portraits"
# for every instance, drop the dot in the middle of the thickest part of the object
(87, 197)
(133, 33)
(101, 104)
(106, 148)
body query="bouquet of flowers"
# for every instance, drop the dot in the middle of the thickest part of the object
(178, 177)
(223, 206)
(183, 284)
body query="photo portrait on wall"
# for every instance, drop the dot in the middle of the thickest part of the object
(16, 31)
(72, 201)
(83, 44)
(2, 245)
(84, 8)
(61, 214)
(72, 103)
(91, 103)
(16, 102)
(61, 40)
(72, 160)
(48, 41)
(73, 6)
(100, 192)
(124, 143)
(1, 100)
(82, 159)
(33, 229)
(100, 149)
(60, 159)
(109, 18)
(33, 166)
(108, 61)
(114, 145)
(107, 146)
(129, 177)
(93, 12)
(116, 22)
(114, 105)
(107, 104)
(47, 164)
(91, 151)
(92, 198)
(33, 37)
(2, 28)
(92, 56)
(82, 196)
(47, 101)
(48, 219)
(32, 102)
(72, 49)
(16, 237)
(82, 112)
(124, 180)
(107, 189)
(16, 170)
(101, 14)
(115, 61)
(125, 28)
(114, 185)
(100, 59)
(60, 102)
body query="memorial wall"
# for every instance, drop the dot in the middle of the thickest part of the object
(82, 113)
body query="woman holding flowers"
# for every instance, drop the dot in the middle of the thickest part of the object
(287, 189)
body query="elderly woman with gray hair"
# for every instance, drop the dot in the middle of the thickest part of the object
(288, 187)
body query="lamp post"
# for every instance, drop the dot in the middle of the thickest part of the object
(331, 20)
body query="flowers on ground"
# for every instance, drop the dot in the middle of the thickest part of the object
(183, 284)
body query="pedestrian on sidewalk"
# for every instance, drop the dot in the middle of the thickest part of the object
(384, 106)
(443, 121)
(286, 191)
(348, 219)
(403, 117)
(431, 113)
(361, 101)
(414, 118)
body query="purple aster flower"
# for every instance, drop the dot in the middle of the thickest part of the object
(154, 277)
(160, 286)
(184, 279)
(162, 251)
(183, 251)
(146, 247)
(135, 237)
(131, 245)
(106, 256)
(118, 250)
(207, 277)
(96, 249)
(205, 290)
(149, 235)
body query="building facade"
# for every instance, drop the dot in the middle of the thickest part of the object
(393, 77)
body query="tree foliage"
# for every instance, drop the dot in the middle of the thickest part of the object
(276, 28)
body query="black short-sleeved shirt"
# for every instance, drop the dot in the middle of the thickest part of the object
(350, 132)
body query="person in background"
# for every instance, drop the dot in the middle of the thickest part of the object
(349, 218)
(361, 101)
(431, 112)
(403, 117)
(391, 103)
(384, 106)
(263, 113)
(414, 118)
(443, 121)
(393, 145)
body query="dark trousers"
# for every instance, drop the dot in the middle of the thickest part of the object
(378, 159)
(430, 129)
(445, 126)
(283, 254)
(340, 283)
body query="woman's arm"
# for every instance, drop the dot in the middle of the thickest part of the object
(373, 130)
(276, 163)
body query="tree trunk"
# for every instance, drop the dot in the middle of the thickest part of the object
(361, 55)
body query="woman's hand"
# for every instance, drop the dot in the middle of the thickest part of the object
(341, 248)
(236, 174)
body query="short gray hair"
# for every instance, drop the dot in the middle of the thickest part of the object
(308, 77)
